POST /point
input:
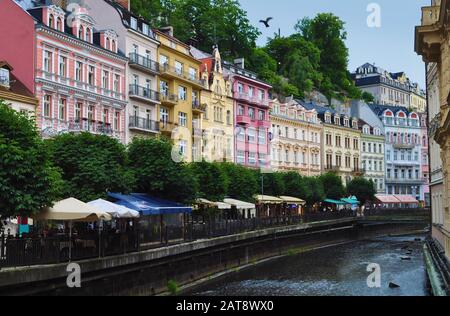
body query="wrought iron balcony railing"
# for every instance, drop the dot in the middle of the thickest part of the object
(143, 124)
(146, 93)
(144, 62)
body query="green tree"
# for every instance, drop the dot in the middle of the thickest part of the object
(209, 22)
(242, 183)
(333, 187)
(294, 185)
(91, 165)
(273, 183)
(363, 189)
(28, 183)
(157, 174)
(211, 180)
(367, 97)
(314, 192)
(328, 34)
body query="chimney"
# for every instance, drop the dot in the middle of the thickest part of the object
(124, 3)
(240, 62)
(167, 30)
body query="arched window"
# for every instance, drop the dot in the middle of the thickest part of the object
(113, 47)
(59, 24)
(81, 32)
(107, 43)
(88, 34)
(51, 21)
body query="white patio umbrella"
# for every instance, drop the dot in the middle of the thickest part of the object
(116, 211)
(73, 210)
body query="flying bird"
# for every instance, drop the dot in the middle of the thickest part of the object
(266, 22)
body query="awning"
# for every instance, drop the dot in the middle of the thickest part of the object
(351, 201)
(73, 210)
(268, 199)
(335, 202)
(219, 205)
(406, 199)
(240, 205)
(387, 199)
(292, 200)
(147, 205)
(115, 210)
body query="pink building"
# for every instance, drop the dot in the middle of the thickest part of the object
(251, 113)
(79, 74)
(17, 35)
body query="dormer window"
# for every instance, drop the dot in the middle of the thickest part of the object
(355, 124)
(337, 120)
(366, 130)
(4, 77)
(145, 29)
(88, 35)
(328, 118)
(59, 24)
(346, 122)
(133, 22)
(51, 21)
(81, 32)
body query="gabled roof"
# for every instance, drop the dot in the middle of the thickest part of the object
(379, 109)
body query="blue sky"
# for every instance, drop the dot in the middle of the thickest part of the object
(391, 46)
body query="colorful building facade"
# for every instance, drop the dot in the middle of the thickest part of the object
(297, 136)
(180, 88)
(251, 116)
(138, 43)
(80, 77)
(341, 143)
(216, 128)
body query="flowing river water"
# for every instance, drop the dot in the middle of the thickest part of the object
(332, 271)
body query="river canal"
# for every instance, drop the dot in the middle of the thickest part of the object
(333, 271)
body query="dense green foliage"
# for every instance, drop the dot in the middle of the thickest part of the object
(211, 180)
(333, 187)
(363, 189)
(28, 183)
(208, 22)
(91, 165)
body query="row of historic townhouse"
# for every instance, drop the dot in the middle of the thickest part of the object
(433, 44)
(106, 71)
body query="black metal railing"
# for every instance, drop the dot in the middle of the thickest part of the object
(143, 123)
(144, 62)
(143, 92)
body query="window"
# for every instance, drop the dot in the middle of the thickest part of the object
(145, 29)
(88, 35)
(182, 145)
(261, 95)
(48, 61)
(192, 73)
(251, 113)
(79, 71)
(47, 105)
(81, 32)
(241, 111)
(78, 109)
(347, 162)
(51, 21)
(262, 136)
(182, 93)
(105, 80)
(91, 75)
(261, 115)
(240, 88)
(116, 83)
(338, 141)
(62, 109)
(252, 159)
(251, 135)
(178, 67)
(328, 140)
(164, 115)
(133, 23)
(117, 121)
(62, 66)
(262, 160)
(240, 157)
(338, 161)
(182, 119)
(229, 117)
(105, 117)
(241, 134)
(251, 92)
(164, 60)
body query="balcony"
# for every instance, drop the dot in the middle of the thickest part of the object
(144, 64)
(197, 107)
(264, 124)
(175, 73)
(430, 15)
(197, 132)
(251, 99)
(243, 120)
(413, 181)
(94, 127)
(144, 94)
(168, 99)
(403, 145)
(143, 124)
(167, 127)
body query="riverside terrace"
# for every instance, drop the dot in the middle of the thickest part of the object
(35, 250)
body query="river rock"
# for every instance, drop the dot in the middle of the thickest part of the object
(393, 285)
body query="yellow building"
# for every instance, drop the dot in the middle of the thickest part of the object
(217, 123)
(14, 93)
(433, 43)
(341, 141)
(180, 88)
